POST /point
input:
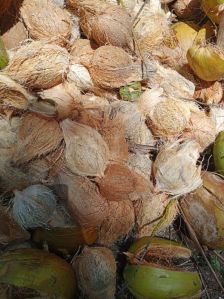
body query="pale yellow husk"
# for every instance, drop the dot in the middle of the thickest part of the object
(175, 170)
(46, 21)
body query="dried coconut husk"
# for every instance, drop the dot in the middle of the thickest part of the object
(85, 204)
(136, 130)
(36, 137)
(140, 163)
(200, 128)
(209, 92)
(113, 132)
(121, 183)
(174, 85)
(167, 117)
(15, 36)
(112, 67)
(80, 76)
(38, 65)
(217, 115)
(46, 21)
(118, 223)
(86, 151)
(129, 5)
(95, 269)
(175, 169)
(104, 23)
(75, 34)
(4, 5)
(62, 97)
(10, 231)
(82, 51)
(13, 95)
(149, 213)
(37, 170)
(8, 132)
(187, 8)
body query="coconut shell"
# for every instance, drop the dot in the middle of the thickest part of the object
(118, 223)
(36, 137)
(86, 205)
(82, 51)
(86, 152)
(112, 67)
(209, 92)
(175, 169)
(149, 212)
(39, 17)
(201, 128)
(121, 183)
(10, 231)
(95, 269)
(15, 36)
(38, 65)
(13, 95)
(187, 8)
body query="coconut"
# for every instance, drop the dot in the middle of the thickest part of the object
(82, 51)
(79, 75)
(104, 23)
(112, 67)
(140, 163)
(39, 17)
(175, 169)
(204, 211)
(13, 95)
(209, 92)
(207, 61)
(200, 128)
(167, 117)
(15, 36)
(86, 205)
(86, 152)
(62, 97)
(8, 132)
(36, 137)
(150, 213)
(95, 269)
(38, 65)
(128, 4)
(118, 223)
(217, 115)
(37, 170)
(121, 183)
(33, 206)
(113, 132)
(187, 8)
(136, 130)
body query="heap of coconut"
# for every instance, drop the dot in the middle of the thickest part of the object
(106, 110)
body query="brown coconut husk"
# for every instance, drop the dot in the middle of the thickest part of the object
(140, 163)
(119, 222)
(13, 95)
(10, 231)
(95, 268)
(15, 36)
(201, 128)
(36, 137)
(121, 183)
(82, 51)
(86, 205)
(4, 5)
(104, 23)
(46, 21)
(175, 169)
(149, 212)
(38, 65)
(62, 97)
(209, 92)
(112, 67)
(86, 151)
(113, 132)
(8, 132)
